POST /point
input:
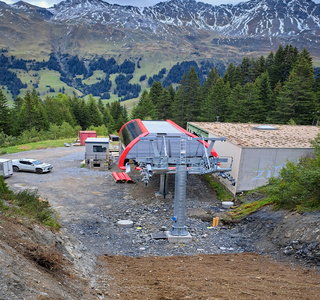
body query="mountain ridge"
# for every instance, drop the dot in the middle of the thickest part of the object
(178, 28)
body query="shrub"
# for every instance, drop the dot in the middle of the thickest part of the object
(100, 130)
(33, 205)
(5, 193)
(222, 192)
(28, 203)
(298, 186)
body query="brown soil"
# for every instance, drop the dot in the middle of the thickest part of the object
(223, 276)
(38, 270)
(37, 267)
(24, 147)
(33, 266)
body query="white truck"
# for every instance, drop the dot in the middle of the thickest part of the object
(6, 169)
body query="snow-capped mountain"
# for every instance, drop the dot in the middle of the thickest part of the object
(256, 17)
(184, 25)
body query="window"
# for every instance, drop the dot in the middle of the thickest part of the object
(99, 148)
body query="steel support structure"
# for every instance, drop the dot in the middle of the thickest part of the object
(178, 227)
(163, 190)
(161, 163)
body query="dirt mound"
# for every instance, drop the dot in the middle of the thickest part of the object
(34, 264)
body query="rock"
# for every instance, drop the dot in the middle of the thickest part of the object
(227, 204)
(125, 223)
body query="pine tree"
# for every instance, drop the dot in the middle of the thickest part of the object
(145, 109)
(269, 62)
(296, 101)
(100, 105)
(32, 113)
(117, 115)
(94, 114)
(41, 122)
(265, 91)
(276, 73)
(290, 57)
(75, 109)
(4, 114)
(155, 92)
(261, 65)
(208, 84)
(245, 71)
(255, 111)
(172, 93)
(52, 108)
(216, 103)
(83, 114)
(108, 120)
(193, 95)
(164, 110)
(124, 114)
(235, 103)
(180, 104)
(179, 110)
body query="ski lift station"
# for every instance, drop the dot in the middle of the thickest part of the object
(259, 151)
(163, 147)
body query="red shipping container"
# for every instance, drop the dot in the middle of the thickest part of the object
(83, 135)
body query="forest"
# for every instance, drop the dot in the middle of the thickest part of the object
(280, 88)
(74, 71)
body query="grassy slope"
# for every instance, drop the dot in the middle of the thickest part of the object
(46, 79)
(36, 146)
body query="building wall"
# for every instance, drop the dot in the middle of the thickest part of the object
(227, 149)
(257, 165)
(252, 166)
(92, 154)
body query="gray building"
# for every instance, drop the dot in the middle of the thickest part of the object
(97, 153)
(259, 151)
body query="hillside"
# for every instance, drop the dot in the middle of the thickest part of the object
(176, 29)
(73, 46)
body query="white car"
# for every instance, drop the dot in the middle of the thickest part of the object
(30, 165)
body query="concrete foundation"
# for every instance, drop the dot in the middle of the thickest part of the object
(178, 238)
(97, 164)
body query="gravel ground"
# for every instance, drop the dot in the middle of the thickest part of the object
(90, 203)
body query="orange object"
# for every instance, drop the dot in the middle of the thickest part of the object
(215, 222)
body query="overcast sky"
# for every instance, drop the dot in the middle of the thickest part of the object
(140, 3)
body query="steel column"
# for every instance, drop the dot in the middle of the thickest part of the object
(178, 228)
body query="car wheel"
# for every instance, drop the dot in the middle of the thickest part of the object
(15, 169)
(39, 171)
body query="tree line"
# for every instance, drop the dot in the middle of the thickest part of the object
(280, 88)
(62, 116)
